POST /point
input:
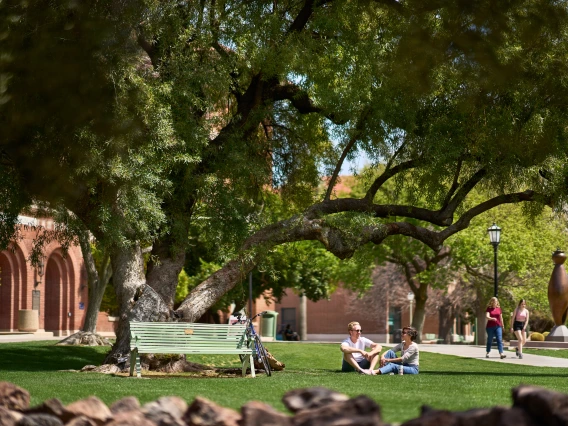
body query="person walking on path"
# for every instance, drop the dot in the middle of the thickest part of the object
(355, 356)
(409, 355)
(519, 321)
(494, 326)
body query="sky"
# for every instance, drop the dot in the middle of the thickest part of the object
(361, 161)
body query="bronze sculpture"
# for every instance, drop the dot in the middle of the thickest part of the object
(558, 289)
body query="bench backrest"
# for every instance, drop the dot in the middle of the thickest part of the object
(187, 338)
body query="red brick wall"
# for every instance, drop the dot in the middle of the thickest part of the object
(62, 288)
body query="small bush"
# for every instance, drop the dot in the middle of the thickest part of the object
(546, 333)
(537, 337)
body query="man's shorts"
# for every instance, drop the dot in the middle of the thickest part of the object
(347, 368)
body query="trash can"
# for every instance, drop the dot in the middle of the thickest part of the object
(268, 325)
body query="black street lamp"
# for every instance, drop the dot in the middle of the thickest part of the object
(495, 237)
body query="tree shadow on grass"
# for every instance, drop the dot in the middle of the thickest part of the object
(48, 357)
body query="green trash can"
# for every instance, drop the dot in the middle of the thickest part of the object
(268, 325)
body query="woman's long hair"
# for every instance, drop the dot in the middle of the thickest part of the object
(493, 303)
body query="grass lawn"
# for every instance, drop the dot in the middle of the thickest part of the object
(444, 382)
(556, 353)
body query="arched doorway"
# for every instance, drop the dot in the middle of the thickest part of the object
(12, 287)
(5, 292)
(57, 295)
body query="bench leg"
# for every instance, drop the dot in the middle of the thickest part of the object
(251, 362)
(245, 361)
(133, 354)
(135, 359)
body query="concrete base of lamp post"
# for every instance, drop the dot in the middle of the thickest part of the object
(558, 334)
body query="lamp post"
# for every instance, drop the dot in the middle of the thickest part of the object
(495, 237)
(410, 297)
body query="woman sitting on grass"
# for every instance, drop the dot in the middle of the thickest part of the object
(409, 357)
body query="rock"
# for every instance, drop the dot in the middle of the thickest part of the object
(516, 417)
(359, 411)
(91, 407)
(130, 418)
(54, 407)
(256, 413)
(206, 413)
(496, 416)
(105, 369)
(303, 399)
(39, 420)
(129, 403)
(430, 417)
(9, 418)
(166, 411)
(13, 397)
(81, 421)
(545, 407)
(85, 338)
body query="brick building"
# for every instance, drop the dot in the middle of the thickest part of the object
(327, 319)
(56, 291)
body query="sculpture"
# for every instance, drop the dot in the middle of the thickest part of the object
(558, 297)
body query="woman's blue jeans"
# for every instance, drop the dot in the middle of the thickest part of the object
(496, 331)
(393, 368)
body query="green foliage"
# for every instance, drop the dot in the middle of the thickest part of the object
(524, 254)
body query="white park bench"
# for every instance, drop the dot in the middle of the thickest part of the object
(189, 338)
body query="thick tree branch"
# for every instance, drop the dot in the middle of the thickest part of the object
(354, 137)
(466, 218)
(386, 175)
(461, 194)
(455, 185)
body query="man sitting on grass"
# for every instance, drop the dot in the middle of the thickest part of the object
(355, 357)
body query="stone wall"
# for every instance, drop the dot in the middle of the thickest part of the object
(532, 406)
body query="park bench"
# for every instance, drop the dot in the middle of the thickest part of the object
(189, 338)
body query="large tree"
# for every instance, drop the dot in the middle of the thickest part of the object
(211, 101)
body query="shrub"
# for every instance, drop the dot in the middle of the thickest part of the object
(546, 333)
(537, 337)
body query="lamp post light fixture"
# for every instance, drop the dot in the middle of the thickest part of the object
(40, 271)
(494, 238)
(410, 297)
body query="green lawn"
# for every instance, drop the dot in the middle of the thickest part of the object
(444, 382)
(556, 353)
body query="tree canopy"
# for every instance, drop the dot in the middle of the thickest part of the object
(179, 114)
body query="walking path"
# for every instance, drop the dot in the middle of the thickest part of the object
(466, 351)
(478, 352)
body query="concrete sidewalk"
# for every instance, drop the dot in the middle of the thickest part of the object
(478, 352)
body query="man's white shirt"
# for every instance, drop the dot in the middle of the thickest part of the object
(361, 343)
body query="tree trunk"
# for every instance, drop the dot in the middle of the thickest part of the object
(445, 322)
(97, 282)
(303, 329)
(209, 291)
(419, 317)
(128, 277)
(163, 275)
(481, 318)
